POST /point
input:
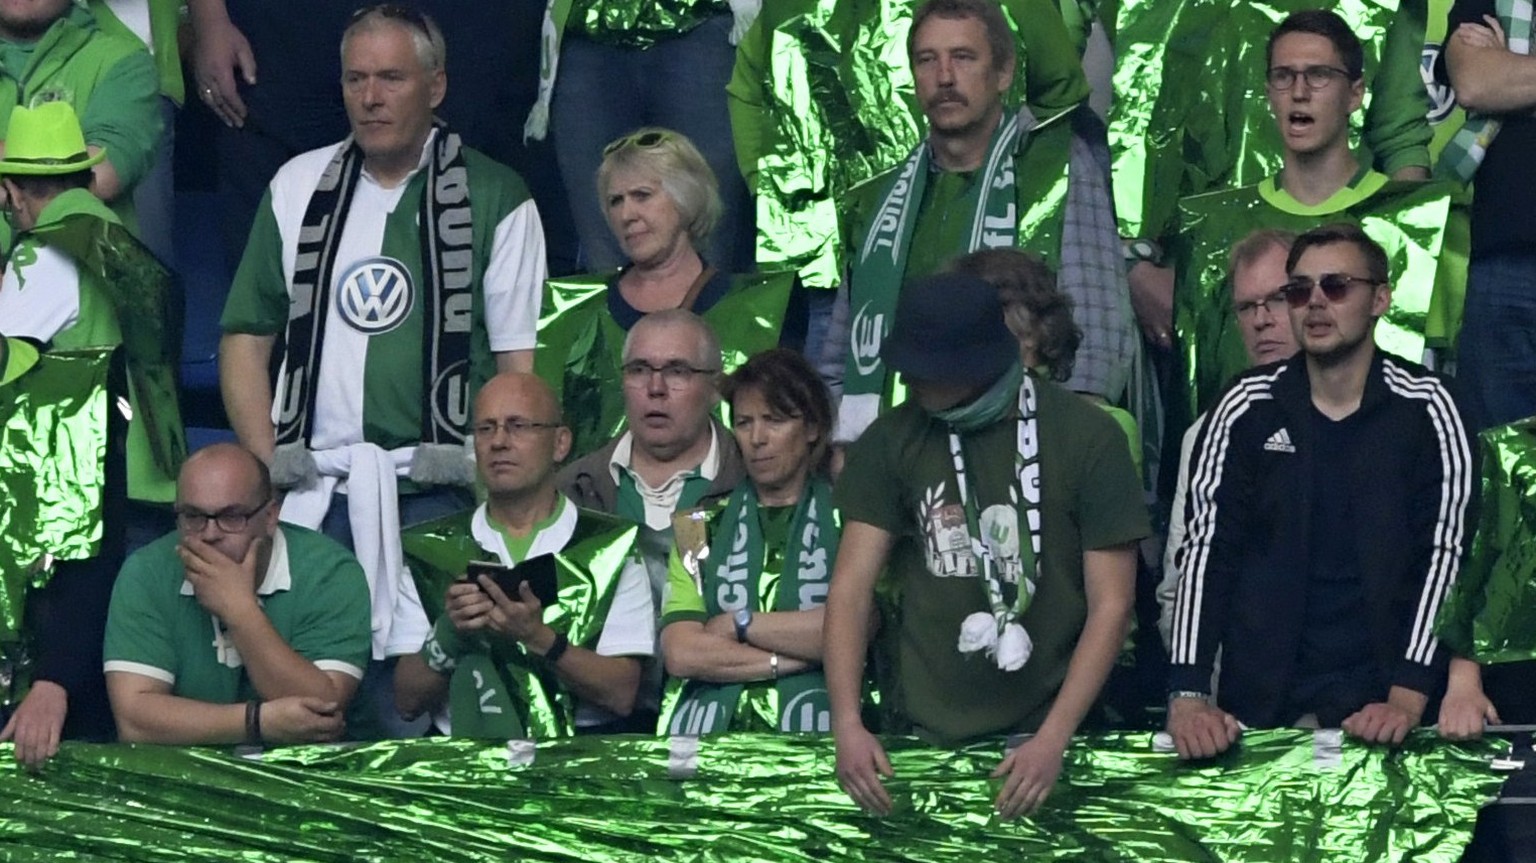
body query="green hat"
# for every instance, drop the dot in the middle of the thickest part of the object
(16, 357)
(46, 140)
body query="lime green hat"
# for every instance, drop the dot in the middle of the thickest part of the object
(46, 140)
(16, 357)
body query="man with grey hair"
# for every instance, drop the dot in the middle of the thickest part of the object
(401, 268)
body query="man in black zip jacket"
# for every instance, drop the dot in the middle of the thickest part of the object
(1329, 509)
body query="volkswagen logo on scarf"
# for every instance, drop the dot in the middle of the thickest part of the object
(375, 295)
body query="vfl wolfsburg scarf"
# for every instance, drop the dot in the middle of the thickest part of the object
(880, 266)
(446, 239)
(1466, 149)
(732, 580)
(1009, 567)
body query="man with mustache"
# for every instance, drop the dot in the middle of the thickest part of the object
(986, 176)
(1329, 510)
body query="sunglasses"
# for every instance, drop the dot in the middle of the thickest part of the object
(395, 12)
(1298, 291)
(642, 140)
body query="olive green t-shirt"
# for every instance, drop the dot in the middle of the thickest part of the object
(900, 478)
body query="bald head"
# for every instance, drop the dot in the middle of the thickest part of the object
(519, 436)
(225, 485)
(228, 466)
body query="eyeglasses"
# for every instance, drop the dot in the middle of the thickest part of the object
(515, 427)
(677, 375)
(1298, 291)
(1247, 309)
(642, 140)
(395, 11)
(1317, 77)
(228, 521)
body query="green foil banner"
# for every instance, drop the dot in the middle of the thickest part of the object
(581, 347)
(1487, 615)
(1408, 219)
(1279, 796)
(822, 100)
(53, 450)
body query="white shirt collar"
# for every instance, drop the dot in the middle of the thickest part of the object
(623, 455)
(421, 162)
(549, 541)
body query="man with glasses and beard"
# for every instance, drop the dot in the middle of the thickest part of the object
(1329, 510)
(235, 628)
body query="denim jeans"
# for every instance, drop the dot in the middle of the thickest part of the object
(1496, 365)
(373, 714)
(604, 91)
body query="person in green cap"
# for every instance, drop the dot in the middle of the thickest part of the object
(77, 279)
(54, 51)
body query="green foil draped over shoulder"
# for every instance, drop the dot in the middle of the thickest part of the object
(580, 346)
(822, 99)
(1279, 796)
(587, 574)
(1408, 219)
(1487, 615)
(54, 427)
(639, 23)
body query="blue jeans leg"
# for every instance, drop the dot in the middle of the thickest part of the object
(373, 714)
(1497, 346)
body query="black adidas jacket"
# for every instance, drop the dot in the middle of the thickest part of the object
(1244, 561)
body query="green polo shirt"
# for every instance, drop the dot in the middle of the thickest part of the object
(314, 593)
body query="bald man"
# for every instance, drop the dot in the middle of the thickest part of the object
(504, 665)
(213, 638)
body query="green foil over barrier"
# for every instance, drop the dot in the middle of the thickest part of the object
(581, 347)
(1488, 614)
(822, 100)
(53, 449)
(1279, 796)
(1407, 219)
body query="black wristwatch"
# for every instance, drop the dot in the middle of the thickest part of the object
(743, 620)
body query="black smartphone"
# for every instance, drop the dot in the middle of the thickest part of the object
(539, 572)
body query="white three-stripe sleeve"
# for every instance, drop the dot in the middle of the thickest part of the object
(1212, 524)
(1450, 529)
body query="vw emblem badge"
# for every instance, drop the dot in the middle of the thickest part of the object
(375, 295)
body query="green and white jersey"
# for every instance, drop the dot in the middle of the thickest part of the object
(370, 386)
(313, 592)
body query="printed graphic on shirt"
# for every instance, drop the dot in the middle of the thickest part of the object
(946, 541)
(1280, 441)
(375, 295)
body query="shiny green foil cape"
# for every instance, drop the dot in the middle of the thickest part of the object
(148, 302)
(822, 100)
(749, 797)
(580, 347)
(1490, 613)
(1407, 219)
(54, 424)
(587, 572)
(639, 23)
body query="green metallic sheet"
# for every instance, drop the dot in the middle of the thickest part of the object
(754, 797)
(639, 24)
(822, 99)
(1190, 112)
(53, 450)
(1408, 219)
(580, 346)
(1488, 615)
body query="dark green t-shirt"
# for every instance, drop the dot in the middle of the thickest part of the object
(900, 478)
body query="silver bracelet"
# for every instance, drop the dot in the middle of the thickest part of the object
(773, 665)
(1189, 693)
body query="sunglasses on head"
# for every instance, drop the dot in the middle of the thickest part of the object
(396, 12)
(1298, 291)
(642, 140)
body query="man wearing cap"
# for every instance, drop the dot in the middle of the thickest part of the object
(402, 268)
(53, 51)
(986, 176)
(77, 279)
(1006, 512)
(1329, 509)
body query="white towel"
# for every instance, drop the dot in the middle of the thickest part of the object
(400, 624)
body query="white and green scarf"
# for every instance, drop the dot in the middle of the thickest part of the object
(1465, 150)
